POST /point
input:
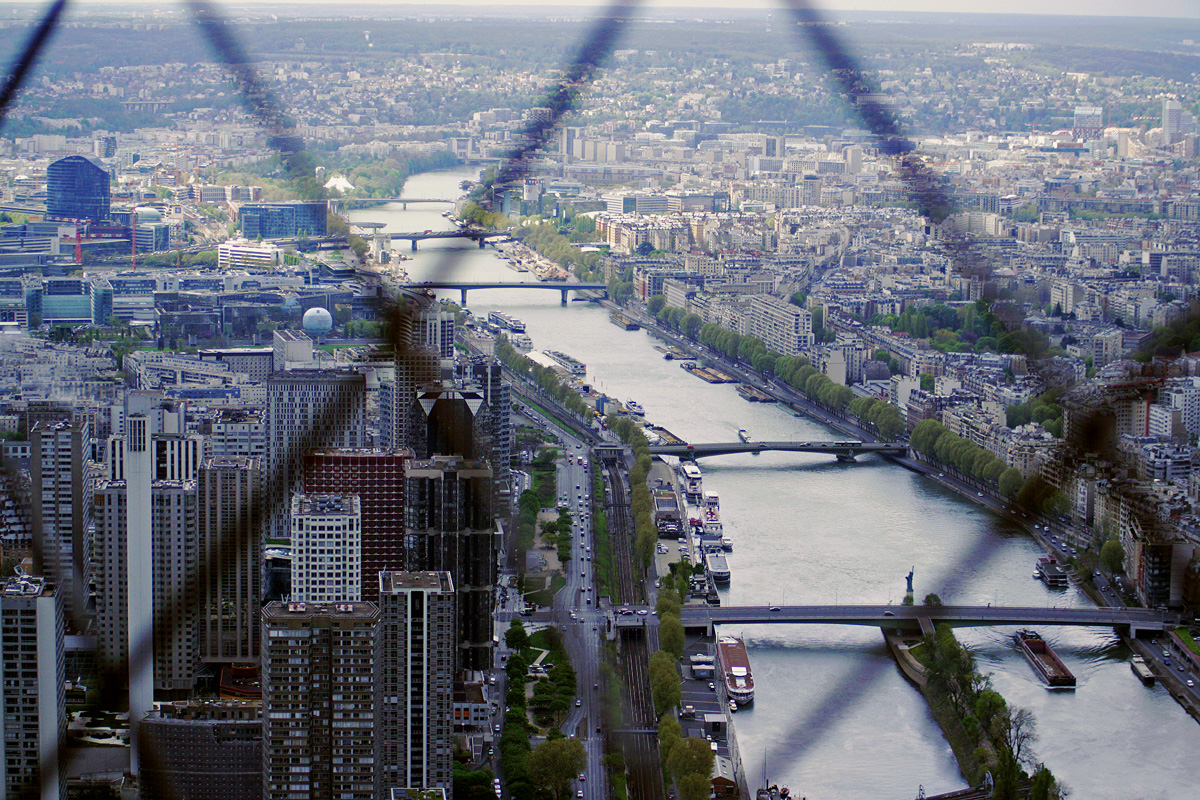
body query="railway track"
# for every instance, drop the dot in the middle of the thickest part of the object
(639, 743)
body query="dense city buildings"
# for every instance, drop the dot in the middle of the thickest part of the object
(283, 220)
(276, 409)
(63, 476)
(229, 521)
(307, 410)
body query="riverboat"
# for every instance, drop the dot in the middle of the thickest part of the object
(745, 437)
(727, 544)
(1139, 667)
(693, 485)
(1044, 661)
(506, 322)
(717, 568)
(735, 669)
(712, 500)
(574, 367)
(1050, 573)
(712, 522)
(635, 409)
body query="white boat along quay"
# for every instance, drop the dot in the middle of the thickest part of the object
(832, 715)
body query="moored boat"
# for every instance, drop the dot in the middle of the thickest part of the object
(735, 670)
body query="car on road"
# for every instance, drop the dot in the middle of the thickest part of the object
(773, 608)
(582, 776)
(578, 703)
(889, 613)
(979, 494)
(712, 687)
(1191, 682)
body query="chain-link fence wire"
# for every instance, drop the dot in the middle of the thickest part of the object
(1092, 428)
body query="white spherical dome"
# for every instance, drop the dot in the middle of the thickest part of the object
(317, 321)
(147, 214)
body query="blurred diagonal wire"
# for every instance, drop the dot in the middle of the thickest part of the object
(28, 57)
(597, 47)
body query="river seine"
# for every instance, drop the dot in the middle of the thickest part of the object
(833, 718)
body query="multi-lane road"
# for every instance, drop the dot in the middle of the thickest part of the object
(575, 611)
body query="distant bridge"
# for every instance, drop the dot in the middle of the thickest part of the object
(556, 286)
(404, 201)
(925, 617)
(845, 451)
(478, 234)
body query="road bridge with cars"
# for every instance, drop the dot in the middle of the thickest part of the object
(555, 286)
(845, 451)
(1134, 620)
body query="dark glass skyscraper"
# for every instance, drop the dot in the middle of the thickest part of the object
(77, 187)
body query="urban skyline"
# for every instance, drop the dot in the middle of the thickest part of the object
(986, 262)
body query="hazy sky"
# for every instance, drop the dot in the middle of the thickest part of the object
(1129, 8)
(1133, 8)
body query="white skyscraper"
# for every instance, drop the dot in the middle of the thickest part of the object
(326, 548)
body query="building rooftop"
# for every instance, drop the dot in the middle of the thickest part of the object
(396, 581)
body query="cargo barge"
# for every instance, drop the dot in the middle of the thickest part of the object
(1139, 667)
(708, 374)
(1044, 661)
(623, 322)
(754, 394)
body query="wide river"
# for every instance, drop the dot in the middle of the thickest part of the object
(833, 718)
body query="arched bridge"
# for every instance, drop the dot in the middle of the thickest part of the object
(911, 617)
(556, 286)
(845, 451)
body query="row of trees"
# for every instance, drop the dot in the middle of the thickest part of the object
(548, 241)
(688, 761)
(557, 532)
(797, 371)
(932, 439)
(534, 500)
(547, 379)
(553, 764)
(1002, 736)
(1033, 494)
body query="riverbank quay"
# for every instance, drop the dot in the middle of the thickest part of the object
(988, 737)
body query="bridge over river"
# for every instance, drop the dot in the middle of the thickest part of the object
(555, 286)
(1134, 620)
(845, 451)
